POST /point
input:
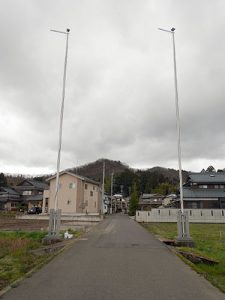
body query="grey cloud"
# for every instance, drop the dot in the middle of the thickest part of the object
(120, 89)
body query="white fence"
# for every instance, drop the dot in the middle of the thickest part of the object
(170, 215)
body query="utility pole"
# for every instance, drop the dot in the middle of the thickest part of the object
(103, 186)
(111, 210)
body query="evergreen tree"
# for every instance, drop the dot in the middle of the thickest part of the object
(210, 169)
(107, 184)
(3, 181)
(165, 188)
(133, 205)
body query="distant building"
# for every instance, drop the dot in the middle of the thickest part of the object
(148, 201)
(9, 199)
(24, 195)
(204, 190)
(169, 200)
(31, 192)
(106, 204)
(77, 194)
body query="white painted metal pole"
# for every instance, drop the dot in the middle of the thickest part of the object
(60, 126)
(178, 123)
(172, 31)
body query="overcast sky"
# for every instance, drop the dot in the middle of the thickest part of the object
(120, 86)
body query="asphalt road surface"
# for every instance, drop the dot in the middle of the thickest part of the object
(117, 260)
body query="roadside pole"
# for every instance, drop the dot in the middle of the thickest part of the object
(103, 187)
(111, 209)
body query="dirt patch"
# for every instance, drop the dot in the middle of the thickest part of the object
(14, 224)
(24, 225)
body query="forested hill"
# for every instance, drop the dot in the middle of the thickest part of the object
(157, 179)
(147, 181)
(95, 169)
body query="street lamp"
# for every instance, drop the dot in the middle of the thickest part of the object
(182, 221)
(54, 221)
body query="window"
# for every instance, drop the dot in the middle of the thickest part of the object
(72, 185)
(221, 186)
(25, 193)
(91, 193)
(68, 202)
(95, 204)
(203, 186)
(85, 186)
(93, 187)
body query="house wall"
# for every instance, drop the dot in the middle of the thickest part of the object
(74, 200)
(67, 197)
(170, 215)
(10, 205)
(80, 197)
(213, 204)
(91, 197)
(7, 206)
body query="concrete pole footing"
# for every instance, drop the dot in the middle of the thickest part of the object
(183, 239)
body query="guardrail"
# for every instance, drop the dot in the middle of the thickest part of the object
(170, 215)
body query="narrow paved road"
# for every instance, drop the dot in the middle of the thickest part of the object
(117, 260)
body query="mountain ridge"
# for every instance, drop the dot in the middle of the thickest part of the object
(95, 170)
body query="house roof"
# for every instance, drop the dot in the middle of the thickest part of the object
(8, 190)
(35, 198)
(151, 196)
(207, 177)
(203, 193)
(76, 176)
(150, 201)
(32, 183)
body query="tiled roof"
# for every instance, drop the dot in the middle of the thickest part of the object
(207, 177)
(9, 190)
(30, 184)
(151, 196)
(203, 193)
(35, 198)
(75, 175)
(38, 184)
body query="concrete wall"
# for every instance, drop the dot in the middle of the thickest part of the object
(170, 215)
(65, 217)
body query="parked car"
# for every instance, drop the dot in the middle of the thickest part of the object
(34, 210)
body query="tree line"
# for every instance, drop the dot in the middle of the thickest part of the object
(145, 182)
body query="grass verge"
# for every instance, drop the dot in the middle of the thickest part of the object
(17, 255)
(209, 241)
